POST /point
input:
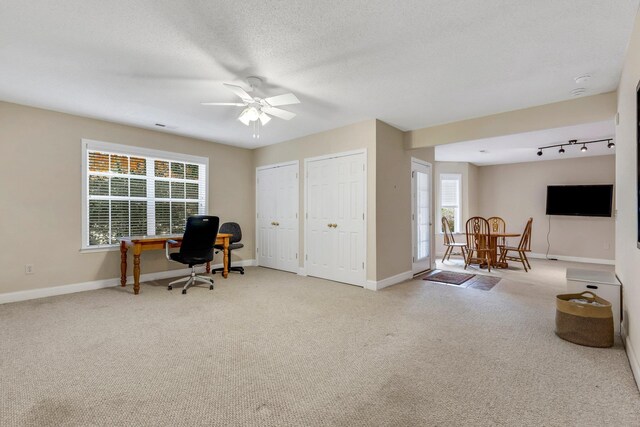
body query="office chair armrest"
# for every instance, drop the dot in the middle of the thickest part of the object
(168, 244)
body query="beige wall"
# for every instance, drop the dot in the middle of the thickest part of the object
(353, 137)
(393, 199)
(627, 252)
(40, 195)
(516, 192)
(588, 109)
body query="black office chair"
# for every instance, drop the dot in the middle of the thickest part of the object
(196, 248)
(232, 228)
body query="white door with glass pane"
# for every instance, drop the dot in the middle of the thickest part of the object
(335, 221)
(421, 215)
(277, 216)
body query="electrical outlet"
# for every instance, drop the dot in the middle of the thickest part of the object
(28, 269)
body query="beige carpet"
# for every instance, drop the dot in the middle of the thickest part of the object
(272, 348)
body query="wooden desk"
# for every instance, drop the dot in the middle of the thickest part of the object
(152, 243)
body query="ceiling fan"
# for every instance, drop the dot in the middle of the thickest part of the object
(257, 110)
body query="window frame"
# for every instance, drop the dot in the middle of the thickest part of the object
(457, 226)
(128, 150)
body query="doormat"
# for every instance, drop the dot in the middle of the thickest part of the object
(448, 277)
(483, 283)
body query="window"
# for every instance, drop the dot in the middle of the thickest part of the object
(450, 190)
(130, 191)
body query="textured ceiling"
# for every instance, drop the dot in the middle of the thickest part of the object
(409, 63)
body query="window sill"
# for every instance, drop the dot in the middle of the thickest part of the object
(102, 249)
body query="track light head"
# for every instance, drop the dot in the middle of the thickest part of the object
(539, 152)
(611, 144)
(561, 150)
(584, 148)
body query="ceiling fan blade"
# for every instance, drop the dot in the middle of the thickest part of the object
(286, 99)
(237, 104)
(239, 91)
(277, 112)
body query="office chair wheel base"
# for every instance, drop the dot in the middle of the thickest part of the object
(242, 272)
(210, 287)
(184, 292)
(169, 287)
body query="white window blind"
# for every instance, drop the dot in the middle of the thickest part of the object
(130, 191)
(450, 195)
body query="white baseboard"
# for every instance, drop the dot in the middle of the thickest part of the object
(100, 284)
(573, 259)
(374, 285)
(302, 271)
(634, 362)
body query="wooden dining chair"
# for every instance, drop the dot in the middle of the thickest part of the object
(498, 225)
(521, 250)
(450, 242)
(478, 242)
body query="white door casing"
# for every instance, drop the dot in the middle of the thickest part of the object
(420, 215)
(277, 221)
(335, 223)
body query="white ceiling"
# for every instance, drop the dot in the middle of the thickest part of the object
(523, 147)
(412, 64)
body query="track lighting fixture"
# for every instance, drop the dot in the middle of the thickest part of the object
(609, 141)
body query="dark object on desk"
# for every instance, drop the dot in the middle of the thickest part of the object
(234, 229)
(196, 248)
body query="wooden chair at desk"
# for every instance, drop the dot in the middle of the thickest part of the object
(478, 238)
(450, 242)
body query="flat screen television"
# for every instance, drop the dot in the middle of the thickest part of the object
(579, 200)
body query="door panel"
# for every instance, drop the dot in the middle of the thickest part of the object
(335, 223)
(421, 216)
(277, 207)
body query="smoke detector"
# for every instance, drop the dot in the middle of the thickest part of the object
(582, 78)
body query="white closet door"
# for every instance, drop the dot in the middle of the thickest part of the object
(336, 224)
(277, 222)
(349, 219)
(287, 226)
(267, 215)
(320, 260)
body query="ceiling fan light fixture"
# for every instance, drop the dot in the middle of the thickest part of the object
(244, 119)
(264, 118)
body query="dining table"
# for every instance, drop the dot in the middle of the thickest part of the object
(493, 246)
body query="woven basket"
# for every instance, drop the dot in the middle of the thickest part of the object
(584, 324)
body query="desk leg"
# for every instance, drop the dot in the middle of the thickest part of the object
(225, 258)
(208, 267)
(123, 264)
(137, 248)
